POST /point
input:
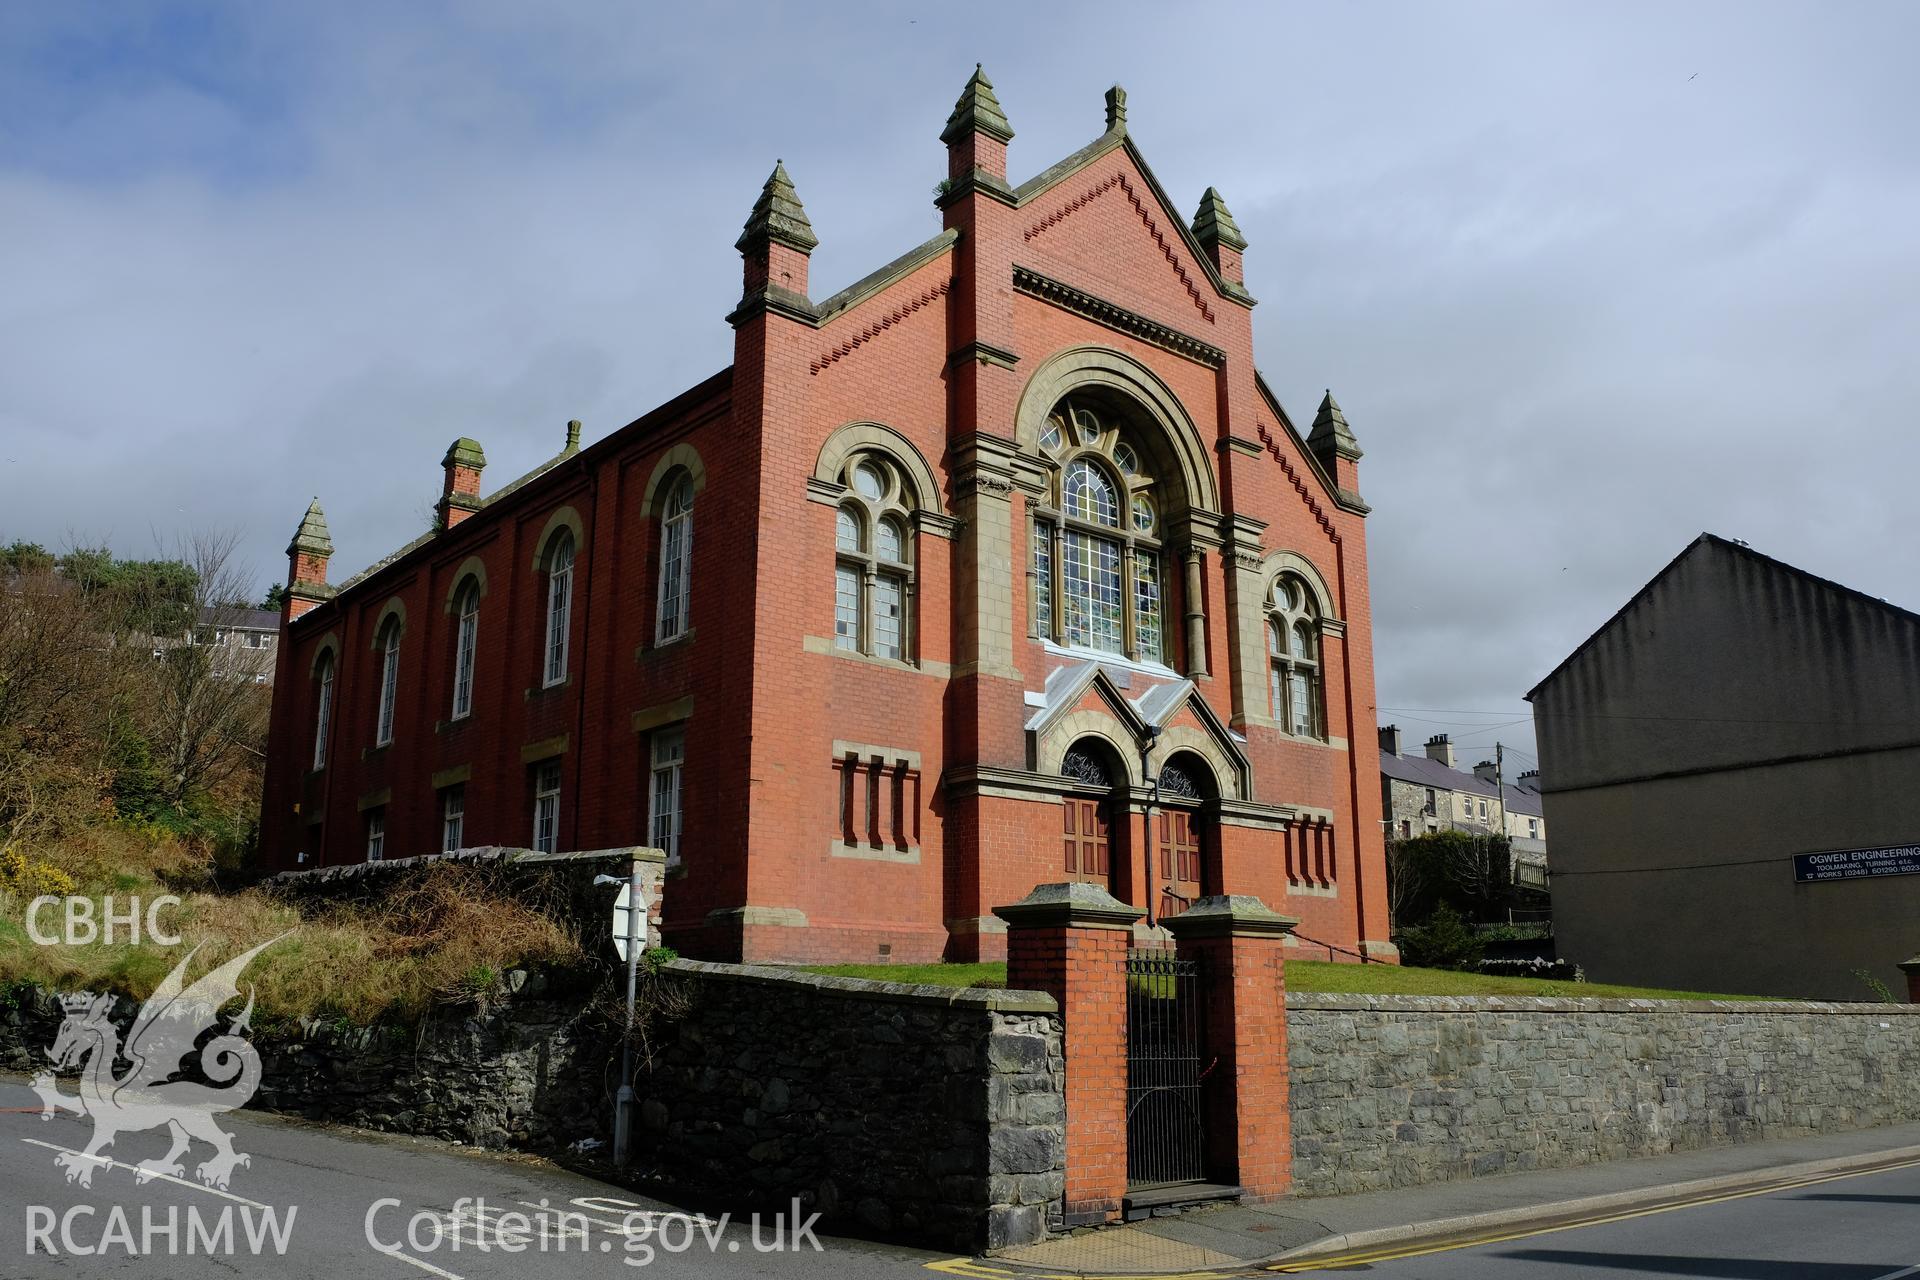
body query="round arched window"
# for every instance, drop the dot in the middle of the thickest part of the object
(1097, 539)
(873, 566)
(1293, 656)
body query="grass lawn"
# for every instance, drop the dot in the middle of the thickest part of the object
(1307, 975)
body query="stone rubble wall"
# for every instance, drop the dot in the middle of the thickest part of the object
(1392, 1091)
(926, 1112)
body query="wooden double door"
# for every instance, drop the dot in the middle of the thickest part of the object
(1087, 844)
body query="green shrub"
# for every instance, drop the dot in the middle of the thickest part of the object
(1445, 941)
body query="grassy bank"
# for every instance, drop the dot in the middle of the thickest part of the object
(1309, 975)
(447, 937)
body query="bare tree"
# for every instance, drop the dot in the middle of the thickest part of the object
(209, 707)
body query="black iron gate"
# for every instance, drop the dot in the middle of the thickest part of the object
(1165, 1124)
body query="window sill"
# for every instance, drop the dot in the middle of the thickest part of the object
(458, 722)
(375, 752)
(661, 646)
(925, 667)
(873, 853)
(1101, 656)
(541, 690)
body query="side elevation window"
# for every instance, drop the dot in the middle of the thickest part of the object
(1293, 651)
(663, 811)
(546, 806)
(873, 561)
(453, 818)
(676, 561)
(376, 834)
(323, 712)
(389, 681)
(559, 605)
(466, 640)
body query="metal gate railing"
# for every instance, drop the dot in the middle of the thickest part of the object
(1165, 1120)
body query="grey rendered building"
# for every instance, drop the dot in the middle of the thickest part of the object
(1737, 714)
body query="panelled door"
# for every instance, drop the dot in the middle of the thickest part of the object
(1085, 837)
(1179, 842)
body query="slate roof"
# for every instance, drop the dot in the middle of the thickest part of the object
(1424, 772)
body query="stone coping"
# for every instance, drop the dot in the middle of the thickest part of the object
(987, 1000)
(1330, 1002)
(476, 856)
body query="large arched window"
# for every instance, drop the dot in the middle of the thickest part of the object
(873, 564)
(465, 641)
(1293, 656)
(676, 561)
(323, 711)
(389, 647)
(559, 605)
(1097, 540)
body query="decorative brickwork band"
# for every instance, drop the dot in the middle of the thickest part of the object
(1241, 945)
(1070, 940)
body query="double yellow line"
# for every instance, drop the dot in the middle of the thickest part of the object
(1364, 1257)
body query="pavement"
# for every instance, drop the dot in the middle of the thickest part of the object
(1366, 1231)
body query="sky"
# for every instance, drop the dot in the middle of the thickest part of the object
(1587, 280)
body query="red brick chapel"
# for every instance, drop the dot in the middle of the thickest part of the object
(1001, 566)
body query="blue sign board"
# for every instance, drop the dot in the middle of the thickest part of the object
(1856, 864)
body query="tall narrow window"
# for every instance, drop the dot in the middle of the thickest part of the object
(323, 712)
(376, 834)
(669, 761)
(1096, 541)
(873, 568)
(1293, 654)
(559, 605)
(389, 681)
(546, 805)
(466, 638)
(453, 818)
(676, 561)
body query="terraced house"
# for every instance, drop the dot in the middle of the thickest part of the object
(1001, 566)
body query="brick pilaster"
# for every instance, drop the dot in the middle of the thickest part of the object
(1241, 946)
(1070, 940)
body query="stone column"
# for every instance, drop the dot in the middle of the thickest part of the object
(1070, 940)
(1241, 944)
(1912, 969)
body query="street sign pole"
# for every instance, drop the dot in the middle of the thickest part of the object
(623, 1103)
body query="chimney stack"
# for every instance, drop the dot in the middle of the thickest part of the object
(460, 493)
(307, 557)
(1438, 748)
(1485, 771)
(1390, 739)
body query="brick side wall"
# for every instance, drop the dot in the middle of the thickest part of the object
(1392, 1091)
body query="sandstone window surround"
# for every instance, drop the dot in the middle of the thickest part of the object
(323, 709)
(668, 754)
(546, 805)
(676, 562)
(465, 646)
(1097, 554)
(1296, 689)
(873, 577)
(880, 798)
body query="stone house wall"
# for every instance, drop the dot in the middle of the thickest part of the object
(1392, 1091)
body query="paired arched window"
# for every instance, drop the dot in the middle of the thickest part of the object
(676, 560)
(323, 711)
(1097, 540)
(560, 554)
(1293, 657)
(465, 642)
(389, 646)
(873, 560)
